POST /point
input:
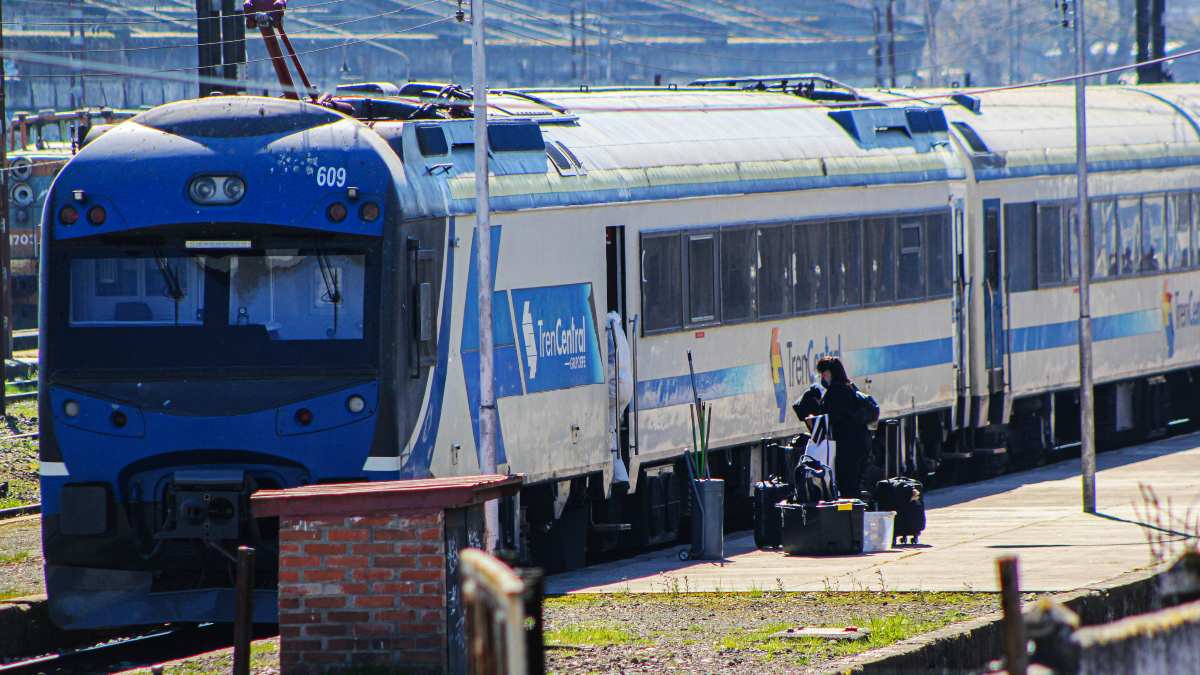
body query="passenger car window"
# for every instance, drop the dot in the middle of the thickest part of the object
(662, 282)
(912, 273)
(1129, 219)
(774, 270)
(1050, 245)
(702, 278)
(1020, 248)
(1179, 231)
(939, 253)
(738, 272)
(1154, 235)
(1072, 228)
(812, 266)
(845, 263)
(1105, 261)
(879, 260)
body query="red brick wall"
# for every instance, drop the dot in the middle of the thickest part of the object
(362, 590)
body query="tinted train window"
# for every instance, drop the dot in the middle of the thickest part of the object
(1072, 228)
(879, 259)
(1105, 261)
(702, 278)
(845, 263)
(1129, 218)
(912, 273)
(738, 263)
(662, 282)
(1049, 245)
(939, 254)
(1179, 230)
(1154, 235)
(812, 266)
(774, 270)
(1019, 247)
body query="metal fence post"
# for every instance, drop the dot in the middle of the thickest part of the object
(243, 621)
(1016, 652)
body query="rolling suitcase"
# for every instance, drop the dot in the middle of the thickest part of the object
(823, 528)
(768, 521)
(904, 495)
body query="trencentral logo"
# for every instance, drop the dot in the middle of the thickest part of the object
(564, 339)
(798, 368)
(531, 355)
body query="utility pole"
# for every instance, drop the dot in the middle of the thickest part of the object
(1151, 40)
(574, 51)
(220, 44)
(483, 269)
(233, 49)
(878, 46)
(891, 28)
(1087, 405)
(583, 36)
(5, 243)
(931, 44)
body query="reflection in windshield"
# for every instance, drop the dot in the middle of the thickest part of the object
(124, 291)
(298, 297)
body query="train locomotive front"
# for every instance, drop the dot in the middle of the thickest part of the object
(211, 319)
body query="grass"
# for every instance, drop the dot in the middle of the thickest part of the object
(884, 631)
(591, 635)
(264, 656)
(14, 558)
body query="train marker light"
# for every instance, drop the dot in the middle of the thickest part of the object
(336, 212)
(71, 409)
(352, 193)
(369, 211)
(118, 419)
(79, 195)
(356, 404)
(68, 215)
(96, 215)
(304, 417)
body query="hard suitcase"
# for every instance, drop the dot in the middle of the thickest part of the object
(897, 492)
(823, 528)
(768, 521)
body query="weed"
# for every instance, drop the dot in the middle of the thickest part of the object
(14, 558)
(592, 635)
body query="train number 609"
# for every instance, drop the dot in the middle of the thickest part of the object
(331, 176)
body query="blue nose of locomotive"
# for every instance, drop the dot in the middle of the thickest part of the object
(211, 325)
(226, 159)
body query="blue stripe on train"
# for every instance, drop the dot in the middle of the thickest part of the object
(1066, 333)
(725, 382)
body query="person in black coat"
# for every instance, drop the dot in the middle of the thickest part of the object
(849, 414)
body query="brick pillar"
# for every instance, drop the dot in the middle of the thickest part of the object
(363, 590)
(368, 572)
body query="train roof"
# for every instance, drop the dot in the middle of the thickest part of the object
(662, 143)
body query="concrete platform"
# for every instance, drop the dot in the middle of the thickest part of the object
(1033, 514)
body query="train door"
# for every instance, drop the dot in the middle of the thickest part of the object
(614, 253)
(962, 314)
(995, 349)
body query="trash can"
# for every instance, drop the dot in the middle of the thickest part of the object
(708, 519)
(878, 527)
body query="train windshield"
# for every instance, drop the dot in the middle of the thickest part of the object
(266, 307)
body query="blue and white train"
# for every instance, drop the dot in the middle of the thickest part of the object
(242, 293)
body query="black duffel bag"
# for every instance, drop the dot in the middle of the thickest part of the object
(813, 481)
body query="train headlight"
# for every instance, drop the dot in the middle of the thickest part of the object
(20, 168)
(97, 215)
(356, 404)
(118, 419)
(216, 190)
(234, 188)
(203, 190)
(67, 215)
(304, 417)
(71, 409)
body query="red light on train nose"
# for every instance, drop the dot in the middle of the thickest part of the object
(118, 419)
(96, 215)
(304, 417)
(67, 215)
(336, 212)
(369, 211)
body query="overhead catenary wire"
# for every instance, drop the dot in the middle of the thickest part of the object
(193, 45)
(134, 22)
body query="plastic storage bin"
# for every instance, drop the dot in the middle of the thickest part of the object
(878, 527)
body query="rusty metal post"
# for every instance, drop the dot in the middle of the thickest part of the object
(243, 621)
(535, 591)
(1016, 651)
(5, 243)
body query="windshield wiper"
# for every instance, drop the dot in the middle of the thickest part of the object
(333, 294)
(174, 289)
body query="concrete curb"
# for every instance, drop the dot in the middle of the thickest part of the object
(971, 644)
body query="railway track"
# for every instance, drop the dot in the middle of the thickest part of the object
(139, 650)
